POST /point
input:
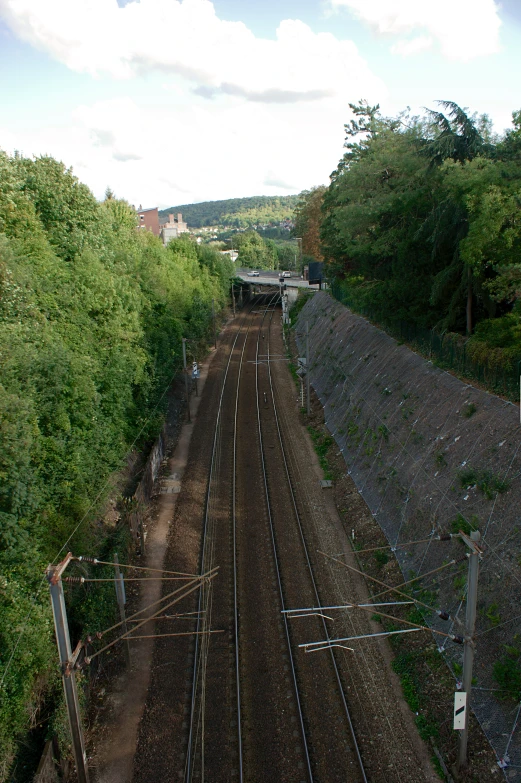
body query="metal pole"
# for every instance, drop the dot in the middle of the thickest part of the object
(186, 379)
(214, 328)
(470, 624)
(308, 405)
(68, 677)
(120, 595)
(233, 299)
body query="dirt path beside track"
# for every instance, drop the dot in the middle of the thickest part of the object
(115, 749)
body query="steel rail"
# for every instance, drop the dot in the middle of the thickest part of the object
(190, 750)
(234, 545)
(308, 561)
(276, 560)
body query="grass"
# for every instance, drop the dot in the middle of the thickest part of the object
(507, 674)
(487, 483)
(322, 443)
(407, 667)
(381, 557)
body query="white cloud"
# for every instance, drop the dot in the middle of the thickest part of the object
(464, 29)
(202, 150)
(413, 46)
(187, 39)
(267, 116)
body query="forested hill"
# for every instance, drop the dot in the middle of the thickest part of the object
(236, 212)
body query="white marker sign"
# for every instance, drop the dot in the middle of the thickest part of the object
(460, 709)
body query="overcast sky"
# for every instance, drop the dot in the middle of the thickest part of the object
(170, 101)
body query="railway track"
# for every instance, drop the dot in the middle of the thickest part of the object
(259, 709)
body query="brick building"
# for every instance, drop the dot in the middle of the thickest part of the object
(148, 219)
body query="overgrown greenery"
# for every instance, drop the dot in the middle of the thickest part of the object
(484, 480)
(419, 224)
(91, 318)
(507, 674)
(322, 444)
(236, 212)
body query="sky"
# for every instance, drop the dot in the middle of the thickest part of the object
(172, 102)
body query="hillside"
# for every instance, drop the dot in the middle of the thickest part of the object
(430, 455)
(236, 212)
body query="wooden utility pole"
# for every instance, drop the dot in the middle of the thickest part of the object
(472, 543)
(186, 379)
(61, 627)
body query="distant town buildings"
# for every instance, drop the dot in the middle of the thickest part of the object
(148, 219)
(173, 228)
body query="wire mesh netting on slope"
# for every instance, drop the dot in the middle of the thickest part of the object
(431, 454)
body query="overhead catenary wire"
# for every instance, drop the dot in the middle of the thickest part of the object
(76, 580)
(446, 537)
(208, 575)
(417, 626)
(328, 643)
(378, 581)
(421, 576)
(181, 633)
(126, 635)
(95, 561)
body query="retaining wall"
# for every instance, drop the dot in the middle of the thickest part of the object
(427, 451)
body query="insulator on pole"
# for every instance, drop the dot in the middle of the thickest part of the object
(442, 615)
(458, 639)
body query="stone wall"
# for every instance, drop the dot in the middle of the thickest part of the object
(430, 454)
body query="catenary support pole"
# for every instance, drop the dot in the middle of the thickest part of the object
(233, 299)
(186, 379)
(470, 624)
(308, 404)
(68, 677)
(214, 326)
(120, 595)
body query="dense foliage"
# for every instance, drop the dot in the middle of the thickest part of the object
(91, 318)
(236, 212)
(308, 221)
(256, 252)
(420, 222)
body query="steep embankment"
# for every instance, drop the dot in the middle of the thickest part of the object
(431, 454)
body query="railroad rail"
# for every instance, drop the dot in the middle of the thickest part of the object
(253, 530)
(317, 600)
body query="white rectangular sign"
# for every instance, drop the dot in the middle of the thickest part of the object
(460, 709)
